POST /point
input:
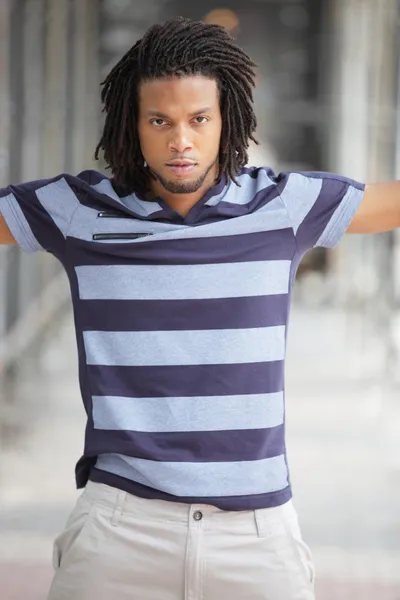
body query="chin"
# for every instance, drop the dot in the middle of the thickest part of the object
(182, 183)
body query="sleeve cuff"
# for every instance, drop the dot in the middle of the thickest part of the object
(18, 224)
(341, 218)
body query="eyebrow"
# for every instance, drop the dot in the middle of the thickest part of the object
(157, 113)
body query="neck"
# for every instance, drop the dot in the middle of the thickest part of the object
(183, 203)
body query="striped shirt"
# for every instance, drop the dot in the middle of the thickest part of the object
(181, 324)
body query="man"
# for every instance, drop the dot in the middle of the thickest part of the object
(181, 267)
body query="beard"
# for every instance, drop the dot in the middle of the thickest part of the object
(183, 187)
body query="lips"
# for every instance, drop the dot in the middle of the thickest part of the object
(180, 163)
(181, 167)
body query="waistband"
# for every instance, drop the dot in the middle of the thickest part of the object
(265, 520)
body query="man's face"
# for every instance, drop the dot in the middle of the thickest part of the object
(180, 130)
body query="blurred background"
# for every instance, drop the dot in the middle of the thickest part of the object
(327, 99)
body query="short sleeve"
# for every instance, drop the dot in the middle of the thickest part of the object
(320, 206)
(39, 213)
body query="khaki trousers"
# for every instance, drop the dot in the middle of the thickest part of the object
(116, 546)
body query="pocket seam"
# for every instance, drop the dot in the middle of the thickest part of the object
(58, 555)
(305, 567)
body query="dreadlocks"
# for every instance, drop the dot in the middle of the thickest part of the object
(180, 47)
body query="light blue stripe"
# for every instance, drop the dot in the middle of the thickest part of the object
(173, 348)
(208, 479)
(270, 217)
(197, 413)
(17, 224)
(341, 218)
(299, 196)
(105, 187)
(183, 282)
(58, 199)
(140, 207)
(244, 194)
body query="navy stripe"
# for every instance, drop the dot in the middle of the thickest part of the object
(91, 176)
(230, 209)
(252, 171)
(333, 177)
(178, 315)
(235, 503)
(331, 195)
(191, 446)
(177, 381)
(247, 247)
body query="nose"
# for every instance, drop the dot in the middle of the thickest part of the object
(180, 140)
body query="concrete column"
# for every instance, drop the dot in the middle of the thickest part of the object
(362, 117)
(362, 126)
(5, 7)
(85, 90)
(32, 117)
(347, 131)
(348, 86)
(5, 119)
(33, 88)
(54, 129)
(382, 91)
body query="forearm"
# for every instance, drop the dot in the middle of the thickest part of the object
(379, 210)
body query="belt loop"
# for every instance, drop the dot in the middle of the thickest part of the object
(118, 508)
(260, 523)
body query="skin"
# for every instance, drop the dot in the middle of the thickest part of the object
(5, 234)
(180, 118)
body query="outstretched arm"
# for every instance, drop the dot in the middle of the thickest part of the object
(379, 209)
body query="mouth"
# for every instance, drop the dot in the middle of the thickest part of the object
(181, 167)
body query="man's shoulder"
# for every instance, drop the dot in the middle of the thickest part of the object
(254, 179)
(255, 187)
(83, 181)
(261, 175)
(90, 177)
(290, 179)
(93, 186)
(256, 171)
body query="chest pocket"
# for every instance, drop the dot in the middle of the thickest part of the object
(118, 226)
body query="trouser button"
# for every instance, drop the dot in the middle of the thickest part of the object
(197, 515)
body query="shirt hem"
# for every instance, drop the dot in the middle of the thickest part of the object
(231, 503)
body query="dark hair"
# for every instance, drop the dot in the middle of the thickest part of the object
(180, 47)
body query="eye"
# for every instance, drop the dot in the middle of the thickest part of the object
(201, 122)
(157, 122)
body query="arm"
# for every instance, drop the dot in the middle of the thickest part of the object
(379, 209)
(6, 237)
